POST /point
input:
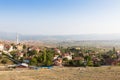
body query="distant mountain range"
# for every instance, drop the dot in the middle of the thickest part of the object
(12, 36)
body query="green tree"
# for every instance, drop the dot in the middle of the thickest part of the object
(48, 63)
(14, 54)
(40, 60)
(46, 57)
(88, 61)
(33, 52)
(24, 47)
(80, 63)
(114, 51)
(49, 57)
(65, 61)
(97, 63)
(71, 63)
(33, 61)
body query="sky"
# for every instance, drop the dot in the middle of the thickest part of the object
(60, 17)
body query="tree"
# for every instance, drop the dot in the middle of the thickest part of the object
(114, 51)
(24, 46)
(88, 61)
(33, 61)
(114, 56)
(48, 63)
(65, 61)
(49, 58)
(71, 63)
(97, 63)
(14, 54)
(45, 58)
(40, 60)
(80, 63)
(33, 52)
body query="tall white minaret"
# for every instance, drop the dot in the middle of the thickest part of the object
(17, 40)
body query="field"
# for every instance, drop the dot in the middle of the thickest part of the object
(64, 73)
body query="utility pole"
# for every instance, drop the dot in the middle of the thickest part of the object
(17, 40)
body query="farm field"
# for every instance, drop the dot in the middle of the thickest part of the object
(64, 73)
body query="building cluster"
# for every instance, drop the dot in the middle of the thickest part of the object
(20, 52)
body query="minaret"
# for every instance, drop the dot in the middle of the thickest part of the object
(17, 40)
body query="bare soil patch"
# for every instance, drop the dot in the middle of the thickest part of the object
(64, 73)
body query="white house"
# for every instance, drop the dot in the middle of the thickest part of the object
(10, 49)
(1, 47)
(67, 55)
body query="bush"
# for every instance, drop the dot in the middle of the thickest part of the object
(90, 63)
(97, 64)
(48, 63)
(4, 61)
(76, 63)
(71, 63)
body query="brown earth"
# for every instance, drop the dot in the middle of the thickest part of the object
(64, 73)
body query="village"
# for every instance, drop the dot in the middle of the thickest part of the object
(19, 55)
(23, 55)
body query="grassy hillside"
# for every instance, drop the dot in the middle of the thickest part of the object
(76, 73)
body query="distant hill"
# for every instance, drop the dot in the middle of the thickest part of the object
(12, 36)
(7, 36)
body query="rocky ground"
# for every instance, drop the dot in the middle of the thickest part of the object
(64, 73)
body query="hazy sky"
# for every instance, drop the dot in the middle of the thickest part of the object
(59, 17)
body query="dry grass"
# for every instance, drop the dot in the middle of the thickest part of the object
(78, 73)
